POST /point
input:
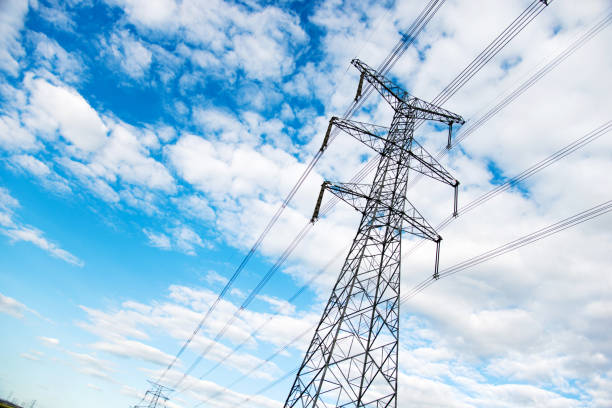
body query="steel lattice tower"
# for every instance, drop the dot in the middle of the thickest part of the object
(352, 359)
(155, 395)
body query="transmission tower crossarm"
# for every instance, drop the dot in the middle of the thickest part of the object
(374, 136)
(371, 136)
(402, 101)
(355, 195)
(429, 166)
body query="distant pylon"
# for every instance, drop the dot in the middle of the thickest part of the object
(154, 397)
(352, 359)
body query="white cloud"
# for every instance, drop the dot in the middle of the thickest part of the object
(56, 15)
(8, 203)
(213, 277)
(180, 238)
(35, 236)
(31, 164)
(54, 107)
(12, 15)
(125, 155)
(92, 366)
(176, 318)
(187, 239)
(148, 12)
(17, 231)
(13, 136)
(196, 206)
(134, 349)
(54, 58)
(130, 54)
(40, 170)
(33, 356)
(50, 341)
(12, 307)
(262, 41)
(94, 387)
(279, 305)
(112, 159)
(158, 240)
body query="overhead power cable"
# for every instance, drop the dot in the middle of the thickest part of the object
(272, 356)
(577, 144)
(562, 56)
(272, 316)
(247, 301)
(535, 236)
(272, 384)
(507, 35)
(403, 44)
(477, 64)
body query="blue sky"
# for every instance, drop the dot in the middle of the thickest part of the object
(144, 145)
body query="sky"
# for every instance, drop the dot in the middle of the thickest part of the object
(145, 145)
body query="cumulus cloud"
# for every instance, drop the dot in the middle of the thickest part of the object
(180, 238)
(129, 53)
(31, 164)
(13, 136)
(176, 316)
(262, 43)
(279, 305)
(52, 57)
(158, 240)
(55, 108)
(134, 349)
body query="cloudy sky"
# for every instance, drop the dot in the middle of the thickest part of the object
(145, 145)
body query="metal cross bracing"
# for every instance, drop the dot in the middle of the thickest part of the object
(155, 396)
(353, 357)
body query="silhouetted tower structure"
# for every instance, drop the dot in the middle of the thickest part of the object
(352, 359)
(155, 396)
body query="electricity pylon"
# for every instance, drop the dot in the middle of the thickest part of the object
(155, 396)
(352, 359)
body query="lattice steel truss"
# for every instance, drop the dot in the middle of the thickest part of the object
(155, 397)
(352, 359)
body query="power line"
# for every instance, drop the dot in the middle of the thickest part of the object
(535, 236)
(562, 56)
(272, 384)
(258, 366)
(577, 144)
(507, 35)
(477, 64)
(255, 332)
(247, 301)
